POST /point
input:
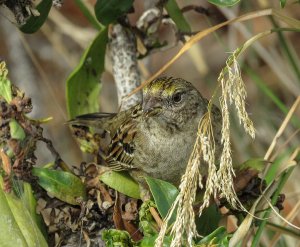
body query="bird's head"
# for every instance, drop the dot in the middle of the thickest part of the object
(173, 100)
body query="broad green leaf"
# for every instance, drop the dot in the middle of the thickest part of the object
(209, 220)
(83, 85)
(109, 11)
(35, 22)
(122, 182)
(163, 193)
(177, 16)
(63, 185)
(223, 3)
(16, 131)
(219, 237)
(17, 227)
(5, 85)
(30, 202)
(11, 234)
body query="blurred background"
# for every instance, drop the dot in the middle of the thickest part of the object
(40, 63)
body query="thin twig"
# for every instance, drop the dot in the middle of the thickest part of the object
(156, 216)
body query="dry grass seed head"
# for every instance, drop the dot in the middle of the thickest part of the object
(219, 180)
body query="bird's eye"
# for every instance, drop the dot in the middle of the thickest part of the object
(177, 97)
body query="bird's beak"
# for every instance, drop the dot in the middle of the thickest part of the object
(151, 107)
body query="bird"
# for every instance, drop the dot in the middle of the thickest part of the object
(155, 137)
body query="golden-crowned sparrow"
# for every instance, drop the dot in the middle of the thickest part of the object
(156, 137)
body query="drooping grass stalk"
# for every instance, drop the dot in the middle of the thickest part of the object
(220, 179)
(231, 59)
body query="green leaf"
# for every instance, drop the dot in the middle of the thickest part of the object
(219, 237)
(35, 22)
(177, 16)
(63, 185)
(282, 3)
(18, 228)
(30, 202)
(83, 85)
(223, 3)
(16, 131)
(118, 238)
(109, 11)
(122, 182)
(257, 164)
(11, 234)
(209, 220)
(150, 241)
(164, 195)
(5, 86)
(87, 13)
(147, 224)
(274, 168)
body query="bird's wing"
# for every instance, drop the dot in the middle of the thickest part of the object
(121, 149)
(121, 128)
(99, 120)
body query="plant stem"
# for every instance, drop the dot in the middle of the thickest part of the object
(266, 215)
(286, 230)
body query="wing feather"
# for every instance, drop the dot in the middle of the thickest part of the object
(119, 154)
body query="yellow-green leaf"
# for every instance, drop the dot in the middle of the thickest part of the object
(17, 226)
(122, 182)
(30, 202)
(16, 131)
(257, 164)
(63, 185)
(5, 87)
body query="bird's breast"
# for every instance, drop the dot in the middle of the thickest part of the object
(163, 154)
